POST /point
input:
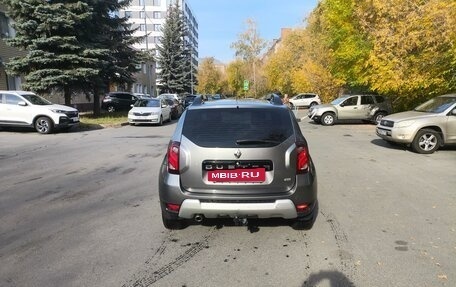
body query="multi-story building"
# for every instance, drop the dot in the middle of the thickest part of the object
(7, 82)
(149, 16)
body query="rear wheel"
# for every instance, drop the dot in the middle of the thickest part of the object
(378, 117)
(111, 109)
(313, 104)
(426, 141)
(44, 125)
(328, 119)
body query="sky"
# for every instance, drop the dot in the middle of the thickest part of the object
(221, 21)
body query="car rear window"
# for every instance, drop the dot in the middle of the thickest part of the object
(240, 127)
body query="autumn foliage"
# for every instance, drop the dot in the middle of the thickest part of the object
(405, 50)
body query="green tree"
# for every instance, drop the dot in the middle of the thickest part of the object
(73, 46)
(249, 47)
(109, 40)
(173, 58)
(49, 32)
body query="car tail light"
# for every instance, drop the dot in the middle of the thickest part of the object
(302, 160)
(173, 157)
(303, 207)
(172, 207)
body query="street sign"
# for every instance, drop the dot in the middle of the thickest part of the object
(246, 85)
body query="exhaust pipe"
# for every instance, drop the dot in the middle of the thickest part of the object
(199, 218)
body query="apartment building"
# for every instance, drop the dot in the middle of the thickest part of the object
(7, 82)
(149, 16)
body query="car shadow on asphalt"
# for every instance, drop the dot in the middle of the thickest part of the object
(335, 278)
(389, 145)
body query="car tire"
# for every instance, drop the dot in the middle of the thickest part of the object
(313, 104)
(426, 141)
(160, 123)
(44, 125)
(328, 119)
(378, 117)
(111, 109)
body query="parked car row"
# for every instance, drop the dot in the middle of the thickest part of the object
(428, 127)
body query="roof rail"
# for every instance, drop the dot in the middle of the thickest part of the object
(198, 101)
(274, 99)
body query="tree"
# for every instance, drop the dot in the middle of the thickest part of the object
(235, 75)
(173, 57)
(210, 79)
(48, 31)
(72, 46)
(413, 53)
(109, 40)
(249, 47)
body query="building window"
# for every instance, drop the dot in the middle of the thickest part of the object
(156, 39)
(142, 14)
(127, 14)
(5, 31)
(156, 3)
(141, 2)
(157, 27)
(157, 15)
(142, 27)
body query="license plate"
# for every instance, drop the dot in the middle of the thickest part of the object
(237, 175)
(382, 132)
(75, 120)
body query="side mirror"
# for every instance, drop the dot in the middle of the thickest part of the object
(453, 112)
(22, 103)
(342, 104)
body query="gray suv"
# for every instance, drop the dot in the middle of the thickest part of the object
(370, 108)
(237, 159)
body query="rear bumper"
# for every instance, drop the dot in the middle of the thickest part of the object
(280, 208)
(266, 205)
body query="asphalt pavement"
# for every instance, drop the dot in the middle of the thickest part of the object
(81, 209)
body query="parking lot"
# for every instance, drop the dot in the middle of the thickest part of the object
(81, 209)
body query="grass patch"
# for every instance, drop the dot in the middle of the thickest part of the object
(105, 119)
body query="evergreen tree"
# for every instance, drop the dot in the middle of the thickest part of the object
(72, 46)
(109, 39)
(173, 56)
(48, 30)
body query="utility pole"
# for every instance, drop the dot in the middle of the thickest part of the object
(147, 50)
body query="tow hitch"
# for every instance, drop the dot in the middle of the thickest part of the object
(240, 221)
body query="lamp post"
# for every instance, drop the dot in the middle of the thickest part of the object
(147, 50)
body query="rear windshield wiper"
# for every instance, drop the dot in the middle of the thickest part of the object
(256, 141)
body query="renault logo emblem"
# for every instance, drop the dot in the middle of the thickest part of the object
(238, 154)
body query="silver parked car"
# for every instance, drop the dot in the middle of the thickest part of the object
(426, 128)
(370, 108)
(239, 159)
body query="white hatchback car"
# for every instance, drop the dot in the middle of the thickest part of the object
(305, 100)
(149, 111)
(26, 109)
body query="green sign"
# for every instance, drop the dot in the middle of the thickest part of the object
(246, 85)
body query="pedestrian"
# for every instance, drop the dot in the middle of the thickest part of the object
(286, 100)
